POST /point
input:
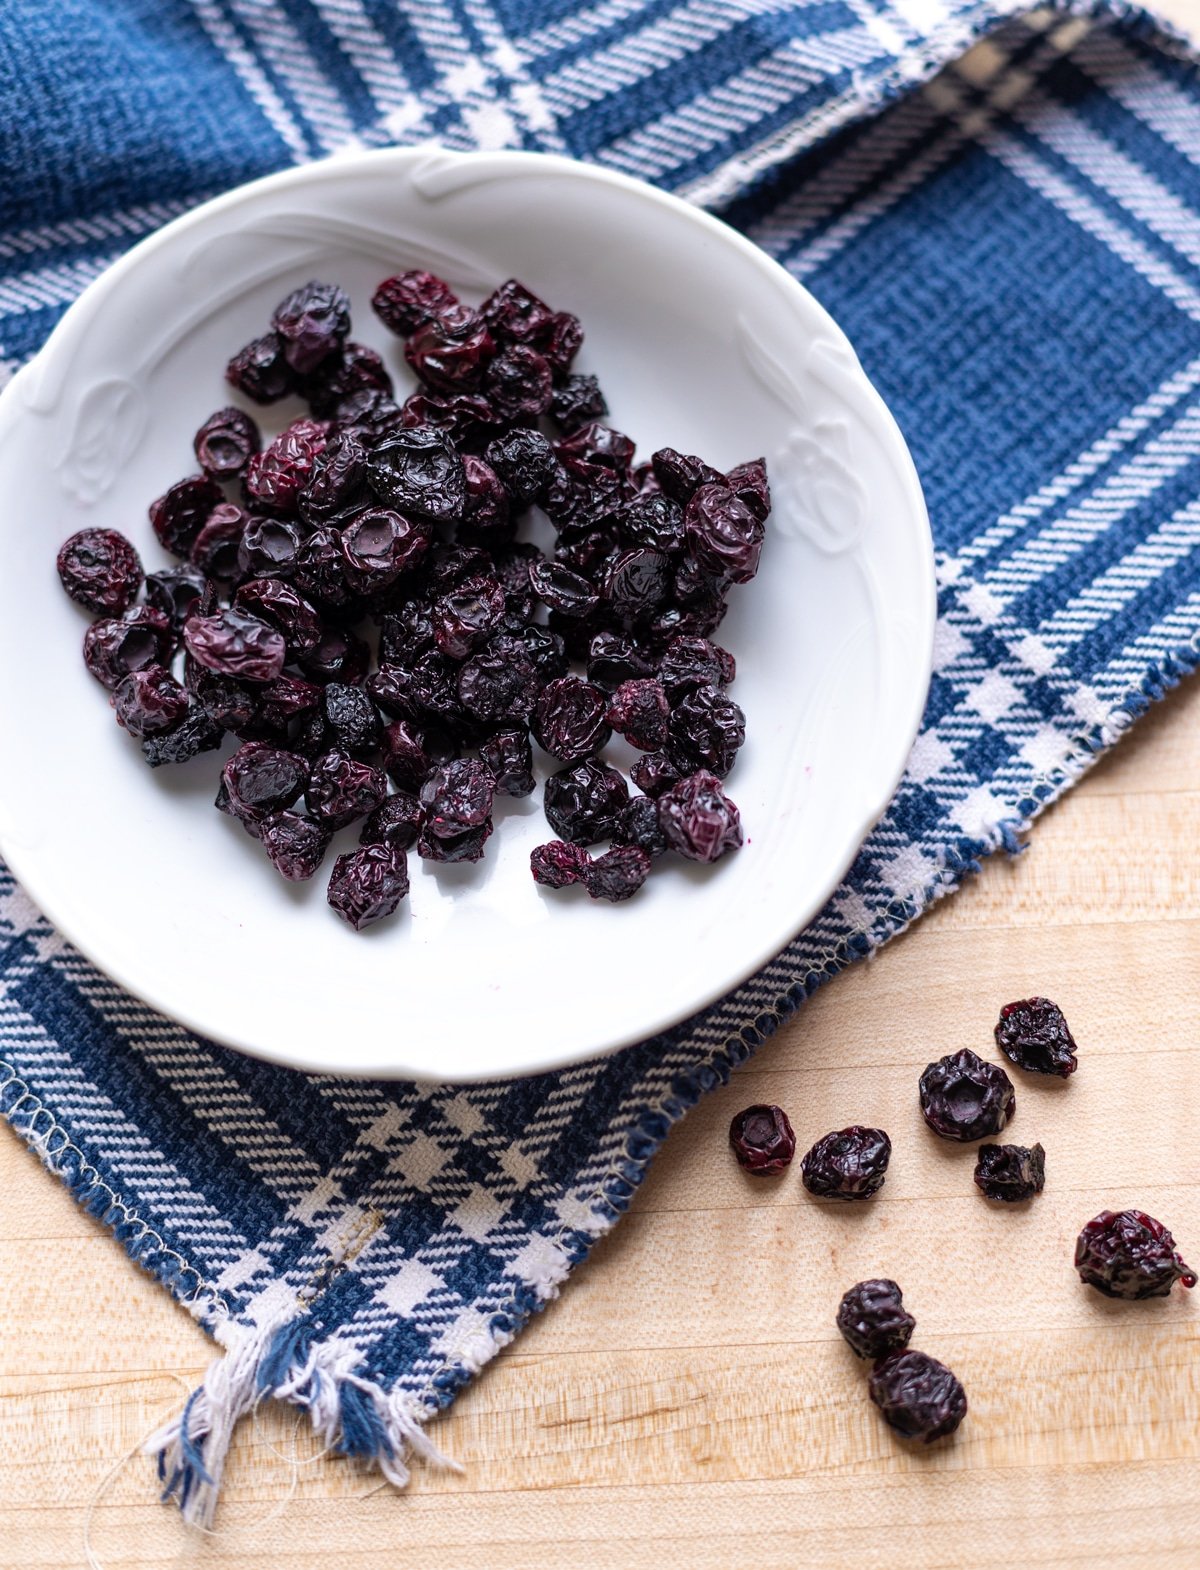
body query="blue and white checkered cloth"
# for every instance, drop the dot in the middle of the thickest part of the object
(1011, 238)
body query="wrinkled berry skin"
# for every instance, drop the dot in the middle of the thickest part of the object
(113, 647)
(457, 797)
(467, 846)
(723, 536)
(577, 402)
(411, 299)
(234, 643)
(149, 700)
(182, 511)
(964, 1098)
(873, 1320)
(378, 546)
(637, 824)
(918, 1396)
(557, 865)
(356, 369)
(174, 591)
(618, 874)
(275, 478)
(1034, 1035)
(341, 789)
(568, 720)
(708, 729)
(351, 719)
(450, 353)
(1129, 1254)
(655, 773)
(508, 758)
(582, 803)
(368, 884)
(267, 549)
(524, 460)
(195, 733)
(216, 550)
(418, 472)
(761, 1138)
(515, 314)
(396, 821)
(312, 324)
(412, 752)
(679, 475)
(849, 1164)
(1010, 1172)
(295, 844)
(278, 604)
(467, 616)
(100, 570)
(518, 384)
(225, 443)
(259, 780)
(638, 710)
(692, 662)
(260, 370)
(698, 819)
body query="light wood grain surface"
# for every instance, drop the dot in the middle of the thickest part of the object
(687, 1402)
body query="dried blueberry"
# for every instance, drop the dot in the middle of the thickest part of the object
(351, 720)
(964, 1098)
(655, 773)
(637, 824)
(613, 658)
(561, 342)
(450, 352)
(341, 789)
(467, 616)
(517, 384)
(320, 569)
(637, 581)
(419, 472)
(225, 443)
(722, 533)
(500, 683)
(114, 647)
(1131, 1255)
(761, 1138)
(638, 711)
(174, 591)
(568, 719)
(680, 476)
(295, 844)
(368, 884)
(467, 846)
(618, 874)
(749, 482)
(268, 548)
(515, 314)
(279, 605)
(100, 570)
(339, 656)
(582, 803)
(181, 512)
(707, 729)
(457, 797)
(312, 324)
(336, 487)
(487, 518)
(216, 550)
(917, 1395)
(378, 546)
(194, 733)
(259, 780)
(412, 752)
(260, 370)
(411, 299)
(557, 865)
(524, 460)
(577, 402)
(149, 700)
(691, 662)
(873, 1320)
(653, 521)
(1035, 1036)
(850, 1163)
(467, 419)
(1010, 1172)
(697, 817)
(355, 369)
(275, 478)
(396, 821)
(233, 643)
(508, 758)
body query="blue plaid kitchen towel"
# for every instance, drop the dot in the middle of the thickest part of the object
(1011, 238)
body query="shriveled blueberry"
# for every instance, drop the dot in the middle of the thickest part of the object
(691, 662)
(697, 817)
(593, 449)
(1129, 1254)
(618, 874)
(524, 460)
(426, 690)
(216, 550)
(352, 719)
(378, 546)
(406, 633)
(368, 415)
(467, 615)
(279, 605)
(582, 803)
(225, 442)
(229, 703)
(419, 472)
(761, 1138)
(259, 780)
(467, 846)
(114, 647)
(653, 521)
(320, 569)
(568, 719)
(336, 487)
(412, 752)
(562, 590)
(260, 370)
(613, 658)
(557, 865)
(656, 773)
(340, 655)
(849, 1164)
(149, 700)
(312, 323)
(514, 314)
(411, 299)
(577, 402)
(181, 512)
(195, 732)
(873, 1320)
(368, 884)
(637, 824)
(638, 710)
(680, 476)
(1034, 1034)
(450, 352)
(100, 570)
(174, 591)
(708, 729)
(693, 621)
(396, 821)
(561, 342)
(637, 581)
(341, 789)
(499, 684)
(508, 758)
(274, 478)
(355, 369)
(964, 1098)
(447, 565)
(1010, 1172)
(234, 643)
(268, 548)
(540, 645)
(295, 844)
(487, 518)
(467, 419)
(518, 383)
(917, 1395)
(457, 796)
(722, 533)
(749, 482)
(285, 699)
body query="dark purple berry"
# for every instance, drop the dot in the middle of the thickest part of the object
(508, 758)
(499, 684)
(225, 442)
(378, 546)
(405, 634)
(722, 534)
(113, 648)
(261, 371)
(100, 570)
(448, 565)
(180, 513)
(295, 844)
(515, 314)
(873, 1320)
(568, 719)
(1010, 1172)
(653, 521)
(467, 419)
(467, 846)
(341, 789)
(337, 484)
(216, 550)
(749, 482)
(655, 773)
(562, 590)
(174, 591)
(233, 643)
(268, 549)
(396, 821)
(638, 711)
(467, 616)
(593, 450)
(229, 703)
(691, 662)
(613, 658)
(339, 656)
(411, 753)
(577, 402)
(637, 582)
(351, 719)
(279, 605)
(918, 1396)
(368, 415)
(848, 1164)
(356, 369)
(1129, 1254)
(285, 699)
(450, 352)
(543, 647)
(149, 700)
(582, 804)
(708, 729)
(194, 733)
(557, 865)
(259, 780)
(456, 797)
(1035, 1036)
(637, 824)
(680, 476)
(524, 460)
(368, 884)
(274, 478)
(419, 472)
(427, 690)
(964, 1098)
(312, 324)
(319, 571)
(517, 384)
(487, 518)
(761, 1138)
(411, 299)
(618, 874)
(561, 342)
(697, 817)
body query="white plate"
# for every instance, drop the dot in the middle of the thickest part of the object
(701, 343)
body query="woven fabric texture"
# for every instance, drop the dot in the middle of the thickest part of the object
(1010, 235)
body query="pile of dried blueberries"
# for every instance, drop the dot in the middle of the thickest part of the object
(400, 522)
